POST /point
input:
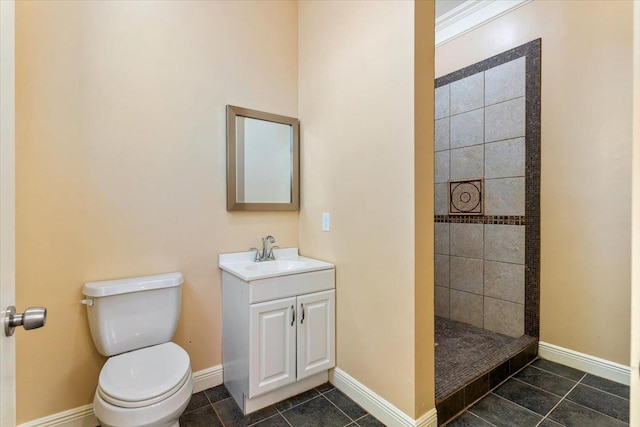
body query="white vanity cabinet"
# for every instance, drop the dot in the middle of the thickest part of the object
(278, 335)
(291, 339)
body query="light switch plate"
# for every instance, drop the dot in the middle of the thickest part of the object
(326, 221)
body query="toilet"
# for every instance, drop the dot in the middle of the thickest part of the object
(147, 379)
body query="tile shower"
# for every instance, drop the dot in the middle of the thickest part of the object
(487, 230)
(480, 130)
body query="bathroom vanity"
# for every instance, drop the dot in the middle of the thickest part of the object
(278, 326)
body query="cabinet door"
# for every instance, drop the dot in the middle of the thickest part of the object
(272, 345)
(316, 333)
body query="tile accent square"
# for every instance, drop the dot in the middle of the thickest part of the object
(503, 317)
(441, 199)
(504, 281)
(442, 301)
(465, 307)
(441, 238)
(466, 274)
(466, 240)
(442, 102)
(504, 196)
(504, 159)
(467, 94)
(466, 197)
(467, 163)
(467, 129)
(442, 134)
(442, 270)
(504, 121)
(504, 243)
(442, 166)
(505, 82)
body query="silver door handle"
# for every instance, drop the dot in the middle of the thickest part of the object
(32, 318)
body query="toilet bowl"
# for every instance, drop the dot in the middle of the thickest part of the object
(147, 381)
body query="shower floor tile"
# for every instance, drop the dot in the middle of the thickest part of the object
(464, 353)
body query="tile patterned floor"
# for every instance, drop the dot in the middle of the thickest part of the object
(321, 406)
(548, 394)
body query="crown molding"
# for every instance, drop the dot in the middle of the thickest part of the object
(470, 15)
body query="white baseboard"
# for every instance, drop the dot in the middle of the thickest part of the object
(590, 364)
(84, 417)
(377, 406)
(207, 378)
(77, 417)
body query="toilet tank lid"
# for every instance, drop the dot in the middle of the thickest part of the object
(133, 284)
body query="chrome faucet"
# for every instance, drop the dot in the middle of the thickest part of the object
(267, 253)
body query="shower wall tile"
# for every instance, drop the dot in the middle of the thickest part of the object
(466, 307)
(504, 281)
(504, 120)
(442, 134)
(467, 94)
(467, 163)
(441, 199)
(503, 317)
(467, 275)
(442, 270)
(466, 240)
(442, 301)
(504, 196)
(442, 166)
(467, 129)
(504, 159)
(504, 243)
(505, 82)
(442, 102)
(442, 238)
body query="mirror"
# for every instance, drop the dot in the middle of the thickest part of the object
(262, 161)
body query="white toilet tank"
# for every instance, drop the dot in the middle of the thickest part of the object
(129, 314)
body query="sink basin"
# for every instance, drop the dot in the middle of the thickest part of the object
(287, 262)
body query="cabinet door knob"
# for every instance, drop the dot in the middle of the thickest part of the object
(293, 315)
(302, 308)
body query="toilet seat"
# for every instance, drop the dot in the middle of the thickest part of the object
(144, 377)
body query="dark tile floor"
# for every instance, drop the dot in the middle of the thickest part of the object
(547, 394)
(321, 406)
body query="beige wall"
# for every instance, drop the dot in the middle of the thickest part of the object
(586, 169)
(634, 399)
(356, 106)
(121, 165)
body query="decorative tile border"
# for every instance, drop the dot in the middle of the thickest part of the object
(532, 52)
(482, 219)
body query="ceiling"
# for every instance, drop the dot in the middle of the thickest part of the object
(444, 6)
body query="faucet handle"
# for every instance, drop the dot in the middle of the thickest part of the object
(271, 255)
(257, 258)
